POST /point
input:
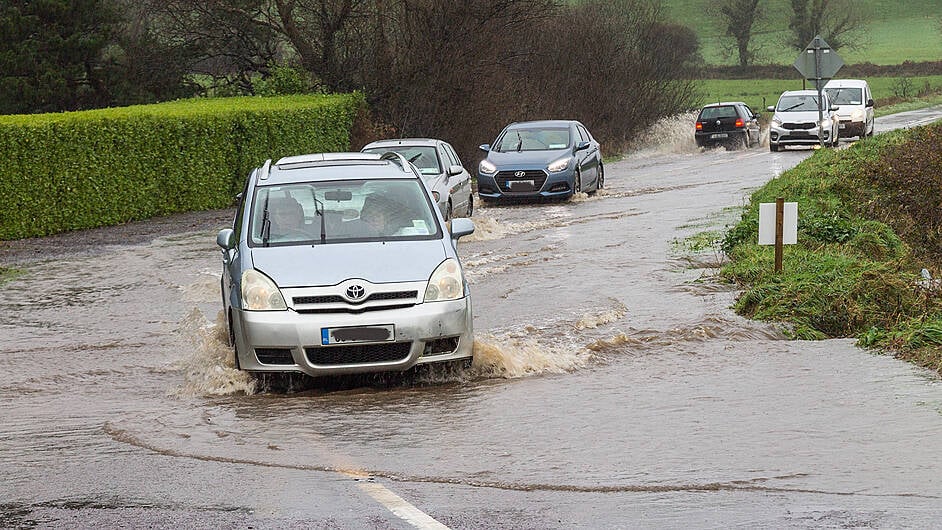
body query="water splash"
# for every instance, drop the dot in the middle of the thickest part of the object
(209, 369)
(511, 358)
(605, 317)
(671, 134)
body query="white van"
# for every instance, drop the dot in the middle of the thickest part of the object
(856, 106)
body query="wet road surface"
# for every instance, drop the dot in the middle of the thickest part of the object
(612, 388)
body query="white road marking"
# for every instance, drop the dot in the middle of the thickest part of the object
(400, 507)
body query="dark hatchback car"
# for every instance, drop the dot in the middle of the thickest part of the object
(728, 124)
(541, 159)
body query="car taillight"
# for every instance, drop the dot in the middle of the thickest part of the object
(699, 126)
(739, 122)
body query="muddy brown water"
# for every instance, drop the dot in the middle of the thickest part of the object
(612, 386)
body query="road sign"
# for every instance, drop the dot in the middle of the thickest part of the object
(818, 62)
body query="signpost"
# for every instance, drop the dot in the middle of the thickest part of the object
(819, 63)
(778, 225)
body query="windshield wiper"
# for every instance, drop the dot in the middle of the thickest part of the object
(320, 212)
(795, 106)
(266, 222)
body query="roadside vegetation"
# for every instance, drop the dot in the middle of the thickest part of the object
(869, 223)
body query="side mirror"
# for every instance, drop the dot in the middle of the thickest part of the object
(461, 226)
(835, 107)
(870, 102)
(225, 239)
(454, 170)
(582, 146)
(485, 147)
(770, 108)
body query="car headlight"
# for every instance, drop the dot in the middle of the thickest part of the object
(446, 282)
(487, 167)
(559, 165)
(826, 123)
(259, 293)
(776, 122)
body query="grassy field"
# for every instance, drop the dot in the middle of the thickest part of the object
(759, 93)
(897, 31)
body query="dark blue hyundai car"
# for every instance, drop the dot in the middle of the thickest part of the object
(541, 159)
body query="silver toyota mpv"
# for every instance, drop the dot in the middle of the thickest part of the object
(341, 263)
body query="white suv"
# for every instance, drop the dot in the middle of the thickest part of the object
(856, 102)
(795, 121)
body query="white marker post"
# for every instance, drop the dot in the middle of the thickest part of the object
(778, 225)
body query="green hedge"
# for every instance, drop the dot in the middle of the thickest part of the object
(77, 170)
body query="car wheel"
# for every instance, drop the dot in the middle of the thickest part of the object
(773, 147)
(576, 183)
(470, 204)
(601, 182)
(448, 211)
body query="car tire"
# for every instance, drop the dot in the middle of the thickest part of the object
(576, 183)
(600, 183)
(470, 204)
(448, 211)
(773, 148)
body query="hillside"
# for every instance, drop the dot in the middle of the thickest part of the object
(897, 31)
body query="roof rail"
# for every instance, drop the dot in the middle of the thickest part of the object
(398, 159)
(266, 170)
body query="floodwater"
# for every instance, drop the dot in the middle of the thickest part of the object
(612, 387)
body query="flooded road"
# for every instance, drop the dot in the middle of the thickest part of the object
(612, 388)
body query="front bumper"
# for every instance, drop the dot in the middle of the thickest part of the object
(782, 136)
(532, 183)
(849, 129)
(289, 341)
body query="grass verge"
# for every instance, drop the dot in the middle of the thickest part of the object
(869, 222)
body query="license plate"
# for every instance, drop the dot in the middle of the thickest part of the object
(719, 135)
(520, 183)
(349, 334)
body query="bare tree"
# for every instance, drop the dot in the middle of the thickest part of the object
(839, 22)
(740, 18)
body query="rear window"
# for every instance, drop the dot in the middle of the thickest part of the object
(712, 113)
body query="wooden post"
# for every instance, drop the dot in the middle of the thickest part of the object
(779, 230)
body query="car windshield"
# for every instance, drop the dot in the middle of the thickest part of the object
(797, 103)
(342, 211)
(845, 96)
(712, 113)
(423, 157)
(533, 139)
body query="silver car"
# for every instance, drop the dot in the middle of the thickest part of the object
(441, 168)
(796, 120)
(340, 263)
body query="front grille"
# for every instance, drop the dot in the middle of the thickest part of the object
(358, 353)
(793, 126)
(441, 346)
(274, 355)
(508, 182)
(350, 310)
(335, 299)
